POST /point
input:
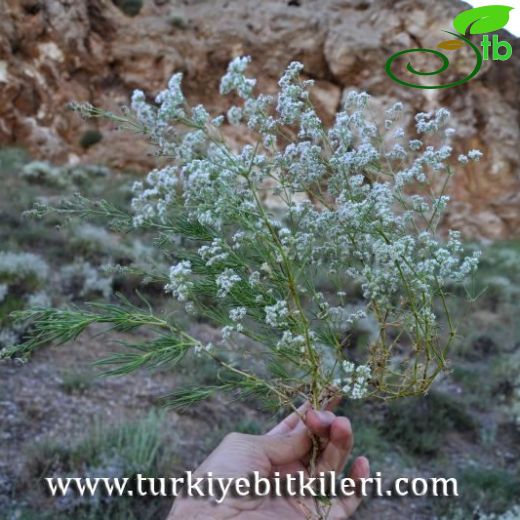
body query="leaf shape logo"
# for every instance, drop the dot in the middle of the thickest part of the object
(482, 20)
(451, 45)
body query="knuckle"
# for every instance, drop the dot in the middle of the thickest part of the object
(234, 438)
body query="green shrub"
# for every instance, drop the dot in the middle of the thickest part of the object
(90, 138)
(76, 381)
(493, 489)
(178, 21)
(12, 159)
(129, 7)
(419, 424)
(120, 450)
(137, 445)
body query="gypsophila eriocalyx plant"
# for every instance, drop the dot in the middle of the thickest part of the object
(290, 241)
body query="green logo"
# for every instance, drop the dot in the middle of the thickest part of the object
(479, 20)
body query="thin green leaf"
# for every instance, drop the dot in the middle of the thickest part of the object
(167, 350)
(186, 397)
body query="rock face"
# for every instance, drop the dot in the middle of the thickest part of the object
(55, 51)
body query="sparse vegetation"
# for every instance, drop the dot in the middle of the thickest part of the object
(119, 450)
(50, 262)
(177, 20)
(420, 425)
(495, 488)
(129, 7)
(90, 138)
(77, 381)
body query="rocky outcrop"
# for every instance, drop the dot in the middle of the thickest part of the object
(55, 51)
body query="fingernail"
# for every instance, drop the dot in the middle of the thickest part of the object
(325, 416)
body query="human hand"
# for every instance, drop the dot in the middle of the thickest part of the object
(287, 449)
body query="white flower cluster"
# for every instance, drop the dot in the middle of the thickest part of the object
(276, 315)
(472, 155)
(431, 122)
(237, 314)
(354, 379)
(214, 253)
(199, 348)
(171, 100)
(292, 96)
(180, 284)
(301, 200)
(291, 342)
(342, 318)
(226, 281)
(234, 116)
(234, 79)
(154, 195)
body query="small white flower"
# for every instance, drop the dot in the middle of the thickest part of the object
(290, 341)
(234, 79)
(234, 115)
(199, 348)
(415, 144)
(227, 332)
(226, 281)
(427, 123)
(276, 315)
(213, 254)
(475, 155)
(180, 284)
(237, 314)
(354, 380)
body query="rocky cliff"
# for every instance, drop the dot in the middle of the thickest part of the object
(55, 51)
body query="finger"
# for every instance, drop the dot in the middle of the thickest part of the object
(293, 420)
(319, 422)
(322, 418)
(293, 446)
(290, 421)
(345, 507)
(335, 454)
